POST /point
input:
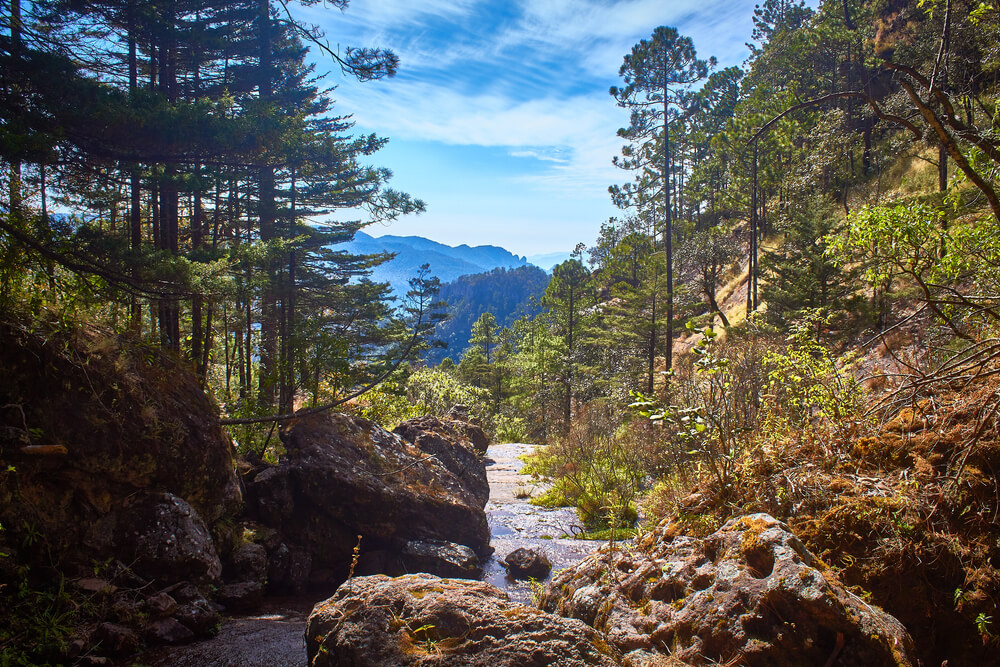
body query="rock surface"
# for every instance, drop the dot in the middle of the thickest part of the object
(92, 420)
(166, 540)
(527, 564)
(749, 592)
(449, 443)
(424, 620)
(345, 476)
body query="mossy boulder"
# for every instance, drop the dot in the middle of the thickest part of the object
(424, 620)
(90, 422)
(749, 592)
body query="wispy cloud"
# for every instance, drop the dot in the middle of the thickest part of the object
(390, 13)
(574, 135)
(529, 77)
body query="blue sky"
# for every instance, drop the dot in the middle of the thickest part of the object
(500, 117)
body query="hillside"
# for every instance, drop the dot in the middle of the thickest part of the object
(507, 293)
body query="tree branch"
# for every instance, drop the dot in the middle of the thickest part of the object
(834, 96)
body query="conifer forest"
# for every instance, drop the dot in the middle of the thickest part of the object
(794, 313)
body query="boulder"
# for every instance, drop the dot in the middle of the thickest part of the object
(249, 563)
(160, 605)
(194, 611)
(456, 429)
(116, 639)
(527, 564)
(91, 420)
(199, 617)
(169, 631)
(750, 592)
(445, 559)
(288, 569)
(241, 596)
(345, 476)
(449, 445)
(424, 620)
(167, 540)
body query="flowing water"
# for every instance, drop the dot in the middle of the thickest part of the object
(515, 523)
(274, 635)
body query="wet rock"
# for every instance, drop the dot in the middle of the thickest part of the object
(168, 541)
(527, 564)
(116, 639)
(445, 559)
(169, 631)
(249, 563)
(347, 477)
(160, 605)
(750, 591)
(241, 596)
(199, 617)
(421, 619)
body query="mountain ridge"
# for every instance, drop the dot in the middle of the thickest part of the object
(448, 263)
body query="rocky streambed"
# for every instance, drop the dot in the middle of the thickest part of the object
(273, 636)
(515, 523)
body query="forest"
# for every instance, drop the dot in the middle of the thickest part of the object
(796, 311)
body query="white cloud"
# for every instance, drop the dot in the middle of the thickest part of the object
(574, 136)
(601, 33)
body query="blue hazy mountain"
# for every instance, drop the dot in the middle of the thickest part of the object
(548, 260)
(447, 262)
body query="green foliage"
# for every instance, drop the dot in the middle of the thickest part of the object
(387, 406)
(434, 391)
(600, 467)
(714, 414)
(916, 242)
(891, 241)
(809, 385)
(800, 275)
(37, 622)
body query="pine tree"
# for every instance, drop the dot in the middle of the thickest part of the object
(657, 76)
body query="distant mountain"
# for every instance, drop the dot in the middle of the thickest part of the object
(506, 293)
(446, 262)
(548, 260)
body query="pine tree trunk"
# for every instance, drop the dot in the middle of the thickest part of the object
(268, 373)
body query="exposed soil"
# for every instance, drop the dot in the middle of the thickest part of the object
(274, 636)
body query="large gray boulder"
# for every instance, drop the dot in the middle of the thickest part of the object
(345, 477)
(749, 592)
(92, 424)
(167, 541)
(424, 620)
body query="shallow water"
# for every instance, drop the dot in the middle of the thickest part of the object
(274, 635)
(515, 523)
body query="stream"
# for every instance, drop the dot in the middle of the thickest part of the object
(273, 636)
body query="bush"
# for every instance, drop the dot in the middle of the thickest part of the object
(601, 466)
